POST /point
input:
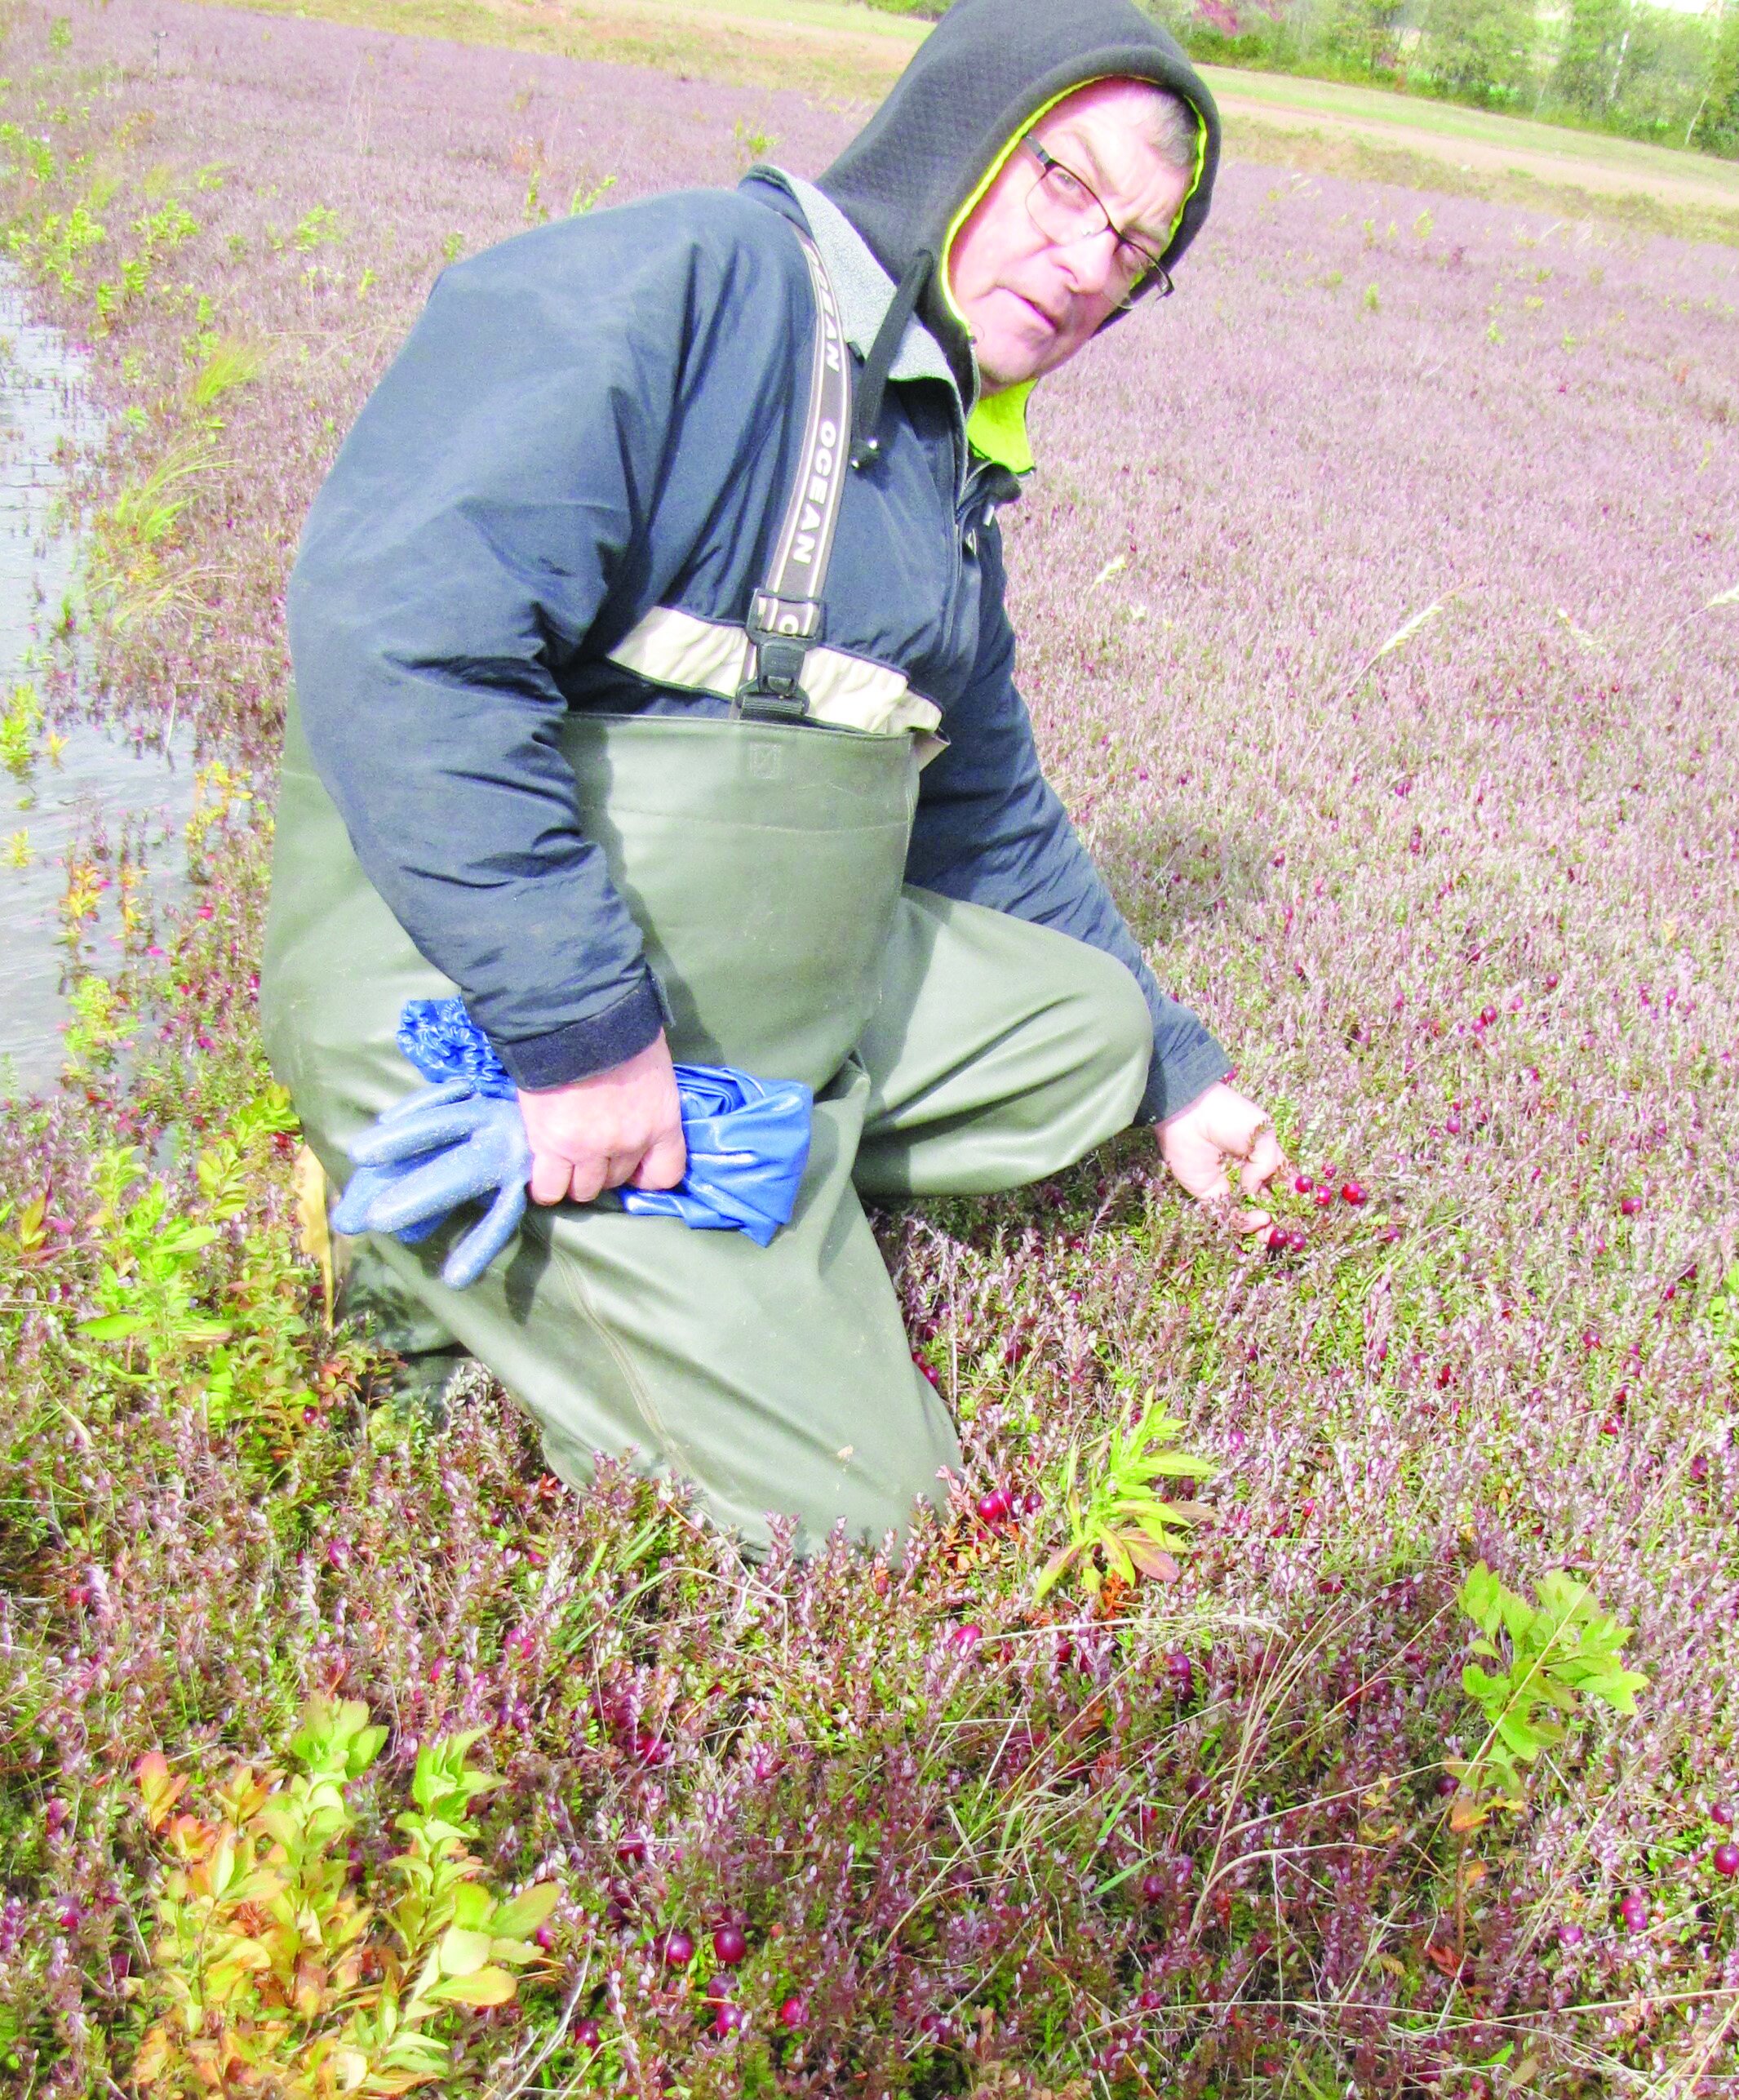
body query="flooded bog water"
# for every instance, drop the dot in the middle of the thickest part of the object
(65, 784)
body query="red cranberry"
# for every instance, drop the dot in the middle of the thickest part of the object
(588, 2034)
(1630, 1205)
(1153, 1887)
(545, 1935)
(1324, 1197)
(730, 2020)
(1725, 1859)
(1447, 1785)
(996, 1508)
(927, 1368)
(631, 1848)
(1352, 1192)
(1303, 1184)
(968, 1636)
(729, 1945)
(1634, 1910)
(647, 1749)
(1570, 1935)
(794, 2013)
(1722, 1812)
(675, 1949)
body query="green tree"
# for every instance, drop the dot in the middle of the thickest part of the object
(1363, 36)
(1715, 126)
(1596, 42)
(1479, 51)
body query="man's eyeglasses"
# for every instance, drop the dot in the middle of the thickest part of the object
(1064, 209)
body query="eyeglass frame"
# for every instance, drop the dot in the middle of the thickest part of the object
(1155, 279)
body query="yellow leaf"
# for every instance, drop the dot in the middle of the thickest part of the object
(152, 2059)
(522, 1915)
(314, 1236)
(488, 1986)
(463, 1953)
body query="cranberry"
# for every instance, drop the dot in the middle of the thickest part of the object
(1153, 1887)
(1700, 1468)
(588, 2034)
(729, 1945)
(794, 2013)
(1324, 1197)
(1150, 2000)
(1634, 1910)
(1352, 1192)
(730, 2020)
(1303, 1184)
(1722, 1812)
(1570, 1935)
(545, 1935)
(632, 1849)
(1630, 1205)
(1725, 1859)
(927, 1368)
(1447, 1785)
(996, 1508)
(675, 1949)
(647, 1749)
(967, 1637)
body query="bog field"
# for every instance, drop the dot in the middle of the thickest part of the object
(1378, 598)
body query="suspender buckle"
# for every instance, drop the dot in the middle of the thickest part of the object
(781, 632)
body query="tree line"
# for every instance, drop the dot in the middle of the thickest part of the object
(1615, 65)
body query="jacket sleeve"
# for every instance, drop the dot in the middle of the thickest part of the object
(991, 830)
(487, 513)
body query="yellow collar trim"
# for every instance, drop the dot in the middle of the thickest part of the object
(996, 428)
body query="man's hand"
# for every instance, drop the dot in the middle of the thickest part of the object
(623, 1126)
(1198, 1143)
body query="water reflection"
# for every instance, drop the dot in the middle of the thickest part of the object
(72, 797)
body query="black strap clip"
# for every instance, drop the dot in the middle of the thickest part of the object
(781, 632)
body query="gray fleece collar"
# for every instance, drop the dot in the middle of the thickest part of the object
(863, 287)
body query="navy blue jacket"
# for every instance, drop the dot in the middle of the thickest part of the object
(591, 429)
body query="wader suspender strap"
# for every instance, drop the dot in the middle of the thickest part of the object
(784, 618)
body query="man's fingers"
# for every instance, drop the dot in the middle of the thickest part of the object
(1265, 1161)
(551, 1178)
(664, 1164)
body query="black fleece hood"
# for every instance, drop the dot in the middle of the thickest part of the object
(977, 80)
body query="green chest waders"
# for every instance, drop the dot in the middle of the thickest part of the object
(952, 1049)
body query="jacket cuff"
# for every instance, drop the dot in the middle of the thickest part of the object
(1180, 1074)
(584, 1048)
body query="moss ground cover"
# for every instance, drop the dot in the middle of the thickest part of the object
(1381, 603)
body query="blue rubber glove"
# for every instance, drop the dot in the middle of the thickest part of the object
(436, 1149)
(748, 1143)
(463, 1138)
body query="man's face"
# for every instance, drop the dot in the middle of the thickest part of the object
(1031, 301)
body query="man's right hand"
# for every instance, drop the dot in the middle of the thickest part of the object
(618, 1127)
